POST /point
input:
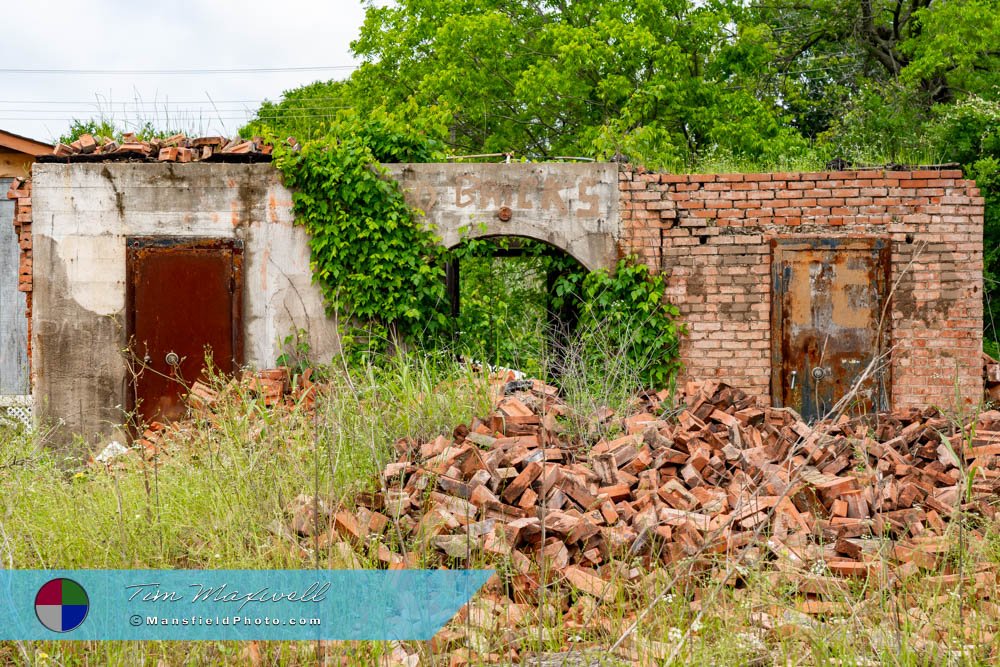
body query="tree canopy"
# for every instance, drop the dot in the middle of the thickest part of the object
(683, 85)
(665, 82)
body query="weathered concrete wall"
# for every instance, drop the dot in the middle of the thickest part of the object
(83, 214)
(570, 206)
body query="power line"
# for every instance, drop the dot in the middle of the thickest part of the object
(179, 117)
(110, 109)
(132, 102)
(99, 113)
(101, 100)
(132, 72)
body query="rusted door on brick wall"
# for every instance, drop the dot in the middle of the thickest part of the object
(828, 323)
(184, 306)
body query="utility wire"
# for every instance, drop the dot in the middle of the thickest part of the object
(132, 72)
(111, 109)
(102, 100)
(176, 115)
(136, 102)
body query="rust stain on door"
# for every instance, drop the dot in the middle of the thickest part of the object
(827, 323)
(184, 304)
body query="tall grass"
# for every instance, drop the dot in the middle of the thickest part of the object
(219, 495)
(600, 369)
(226, 477)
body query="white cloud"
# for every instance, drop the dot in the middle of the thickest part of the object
(190, 34)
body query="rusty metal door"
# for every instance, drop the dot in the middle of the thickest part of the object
(184, 305)
(828, 323)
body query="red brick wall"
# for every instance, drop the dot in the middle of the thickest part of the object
(20, 192)
(709, 234)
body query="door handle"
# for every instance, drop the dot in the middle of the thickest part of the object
(795, 375)
(172, 359)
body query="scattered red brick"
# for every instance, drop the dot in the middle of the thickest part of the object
(722, 477)
(177, 148)
(991, 378)
(715, 479)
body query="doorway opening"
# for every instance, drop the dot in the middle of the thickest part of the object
(515, 301)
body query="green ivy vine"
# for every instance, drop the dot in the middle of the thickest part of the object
(381, 268)
(628, 312)
(372, 257)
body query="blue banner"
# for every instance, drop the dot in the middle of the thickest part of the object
(232, 604)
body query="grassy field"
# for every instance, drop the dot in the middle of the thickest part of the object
(218, 499)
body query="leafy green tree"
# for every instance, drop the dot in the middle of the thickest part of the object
(660, 81)
(304, 113)
(954, 49)
(937, 50)
(665, 82)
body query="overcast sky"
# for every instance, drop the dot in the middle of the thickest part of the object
(185, 35)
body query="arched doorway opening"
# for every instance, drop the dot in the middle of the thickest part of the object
(515, 301)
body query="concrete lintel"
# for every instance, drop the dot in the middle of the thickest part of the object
(573, 207)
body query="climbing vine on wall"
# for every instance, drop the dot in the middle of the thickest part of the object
(378, 263)
(372, 257)
(625, 312)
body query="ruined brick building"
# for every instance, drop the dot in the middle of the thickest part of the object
(791, 285)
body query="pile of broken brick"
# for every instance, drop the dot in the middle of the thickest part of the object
(177, 148)
(713, 483)
(715, 474)
(720, 476)
(273, 387)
